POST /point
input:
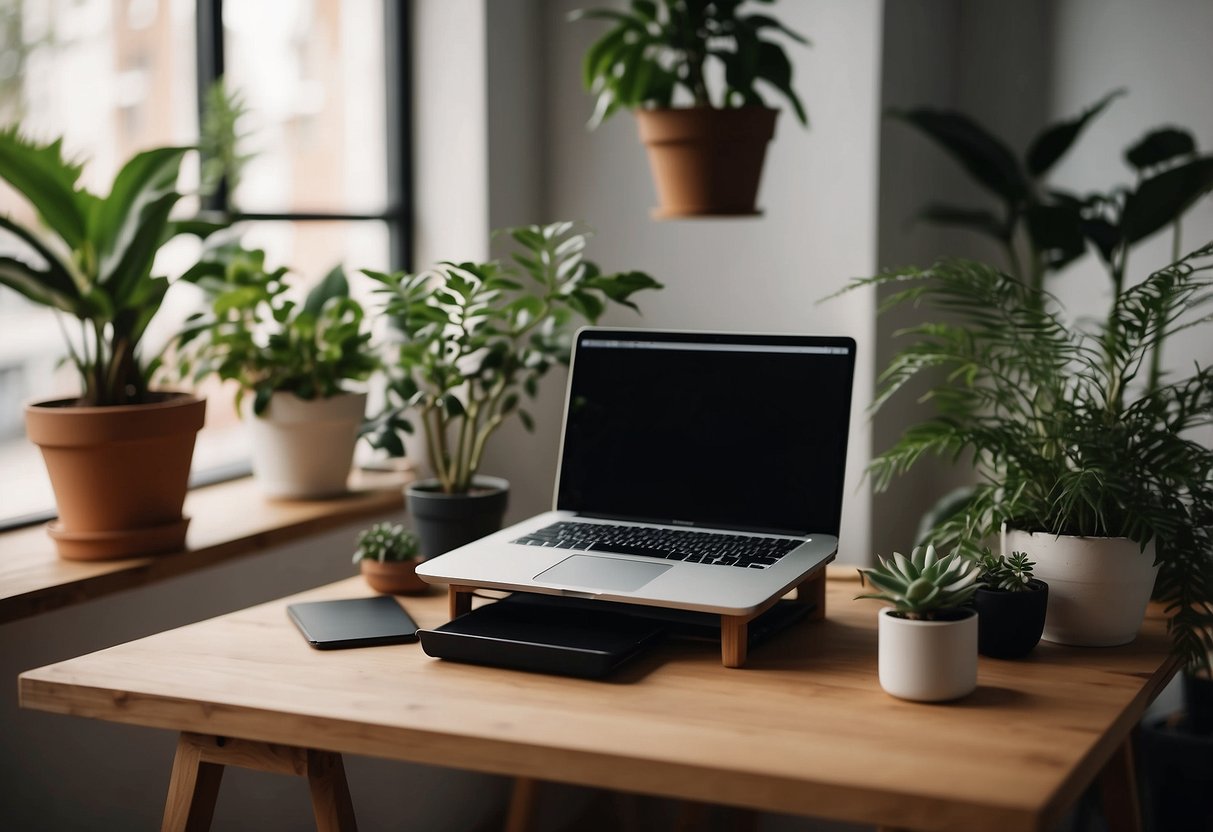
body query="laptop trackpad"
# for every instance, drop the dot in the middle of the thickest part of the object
(602, 573)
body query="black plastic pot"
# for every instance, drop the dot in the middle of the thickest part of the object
(1009, 624)
(447, 521)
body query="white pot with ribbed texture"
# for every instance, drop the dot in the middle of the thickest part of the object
(304, 448)
(928, 661)
(1098, 586)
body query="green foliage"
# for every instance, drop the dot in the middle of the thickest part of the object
(1067, 428)
(257, 336)
(923, 585)
(476, 336)
(387, 543)
(655, 48)
(1052, 225)
(94, 255)
(1009, 573)
(219, 142)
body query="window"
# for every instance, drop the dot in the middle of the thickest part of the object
(325, 85)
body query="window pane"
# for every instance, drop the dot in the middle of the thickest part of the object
(312, 75)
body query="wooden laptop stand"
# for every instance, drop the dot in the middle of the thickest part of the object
(734, 629)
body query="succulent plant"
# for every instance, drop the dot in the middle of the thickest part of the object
(386, 543)
(924, 584)
(1010, 573)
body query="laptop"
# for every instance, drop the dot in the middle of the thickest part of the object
(698, 471)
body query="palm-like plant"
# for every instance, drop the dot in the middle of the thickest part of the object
(924, 585)
(1066, 433)
(655, 48)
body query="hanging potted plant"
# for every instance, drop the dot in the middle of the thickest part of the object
(118, 454)
(295, 365)
(706, 158)
(928, 637)
(1010, 605)
(388, 555)
(474, 338)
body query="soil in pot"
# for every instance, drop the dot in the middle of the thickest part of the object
(447, 521)
(393, 577)
(1009, 624)
(119, 473)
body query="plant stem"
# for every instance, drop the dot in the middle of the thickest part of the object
(1156, 351)
(432, 422)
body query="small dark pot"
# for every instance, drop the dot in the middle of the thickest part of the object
(447, 521)
(1009, 624)
(1198, 703)
(1177, 775)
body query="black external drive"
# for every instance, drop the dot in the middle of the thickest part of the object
(354, 622)
(547, 638)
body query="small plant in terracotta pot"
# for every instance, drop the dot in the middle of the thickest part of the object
(928, 637)
(388, 555)
(1010, 606)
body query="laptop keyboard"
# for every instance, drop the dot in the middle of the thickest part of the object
(745, 551)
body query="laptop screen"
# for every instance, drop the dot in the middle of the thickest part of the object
(734, 431)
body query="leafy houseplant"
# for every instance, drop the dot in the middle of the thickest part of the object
(297, 359)
(475, 338)
(1066, 436)
(1010, 605)
(928, 638)
(388, 554)
(92, 259)
(706, 158)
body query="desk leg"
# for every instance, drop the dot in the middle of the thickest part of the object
(198, 769)
(1118, 790)
(192, 790)
(522, 805)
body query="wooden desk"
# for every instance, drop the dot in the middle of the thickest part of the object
(803, 728)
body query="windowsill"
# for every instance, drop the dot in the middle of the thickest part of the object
(229, 520)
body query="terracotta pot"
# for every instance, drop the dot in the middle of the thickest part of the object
(119, 473)
(447, 521)
(705, 161)
(928, 661)
(393, 577)
(304, 448)
(1098, 586)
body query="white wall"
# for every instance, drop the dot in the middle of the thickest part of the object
(765, 274)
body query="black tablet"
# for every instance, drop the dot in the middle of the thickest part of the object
(354, 622)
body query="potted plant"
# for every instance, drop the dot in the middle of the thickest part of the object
(706, 158)
(297, 360)
(1010, 606)
(928, 637)
(475, 338)
(119, 454)
(388, 555)
(1079, 446)
(1091, 467)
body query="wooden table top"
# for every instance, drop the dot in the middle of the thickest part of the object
(803, 728)
(229, 520)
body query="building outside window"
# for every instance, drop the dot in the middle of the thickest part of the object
(324, 86)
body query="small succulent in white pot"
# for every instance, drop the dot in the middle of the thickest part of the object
(928, 637)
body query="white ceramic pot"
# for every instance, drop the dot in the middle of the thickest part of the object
(928, 661)
(302, 448)
(1098, 586)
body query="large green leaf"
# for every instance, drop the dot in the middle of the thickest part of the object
(974, 219)
(34, 284)
(143, 180)
(334, 285)
(124, 277)
(1048, 147)
(56, 276)
(1159, 146)
(1162, 199)
(775, 68)
(1056, 231)
(48, 181)
(986, 158)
